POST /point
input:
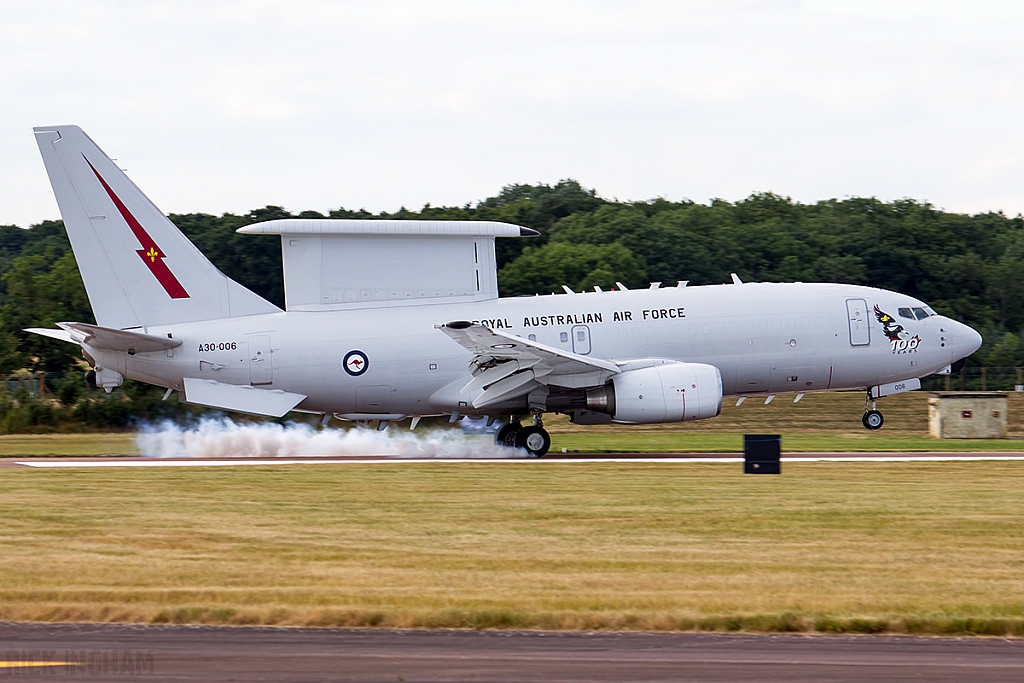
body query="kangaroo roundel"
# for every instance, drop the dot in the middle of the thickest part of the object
(356, 363)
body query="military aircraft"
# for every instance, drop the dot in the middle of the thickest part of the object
(389, 319)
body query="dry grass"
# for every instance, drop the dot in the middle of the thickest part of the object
(32, 445)
(835, 412)
(917, 547)
(820, 422)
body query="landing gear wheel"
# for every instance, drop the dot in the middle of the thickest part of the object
(534, 439)
(873, 420)
(506, 434)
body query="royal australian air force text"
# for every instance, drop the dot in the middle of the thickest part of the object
(585, 318)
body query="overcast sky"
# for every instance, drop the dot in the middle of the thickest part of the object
(228, 106)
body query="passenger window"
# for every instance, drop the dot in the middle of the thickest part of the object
(531, 337)
(905, 313)
(919, 312)
(564, 336)
(581, 335)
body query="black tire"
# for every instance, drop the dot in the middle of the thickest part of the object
(534, 440)
(506, 434)
(873, 420)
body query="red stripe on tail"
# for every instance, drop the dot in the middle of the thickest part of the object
(150, 253)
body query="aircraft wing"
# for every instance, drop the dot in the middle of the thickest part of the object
(243, 399)
(107, 338)
(505, 366)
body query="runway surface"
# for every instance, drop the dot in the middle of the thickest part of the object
(181, 653)
(138, 461)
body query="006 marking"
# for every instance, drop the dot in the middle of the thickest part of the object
(219, 346)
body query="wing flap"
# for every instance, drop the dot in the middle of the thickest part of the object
(496, 373)
(506, 366)
(498, 345)
(510, 387)
(242, 399)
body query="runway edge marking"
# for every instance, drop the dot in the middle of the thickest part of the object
(392, 460)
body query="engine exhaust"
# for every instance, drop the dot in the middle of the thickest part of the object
(602, 400)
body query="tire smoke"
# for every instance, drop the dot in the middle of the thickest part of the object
(223, 438)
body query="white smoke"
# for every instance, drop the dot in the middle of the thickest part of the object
(223, 438)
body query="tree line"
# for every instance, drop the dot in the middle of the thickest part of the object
(970, 267)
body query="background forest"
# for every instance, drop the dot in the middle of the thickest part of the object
(968, 267)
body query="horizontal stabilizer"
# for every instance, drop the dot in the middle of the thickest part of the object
(61, 335)
(242, 399)
(107, 338)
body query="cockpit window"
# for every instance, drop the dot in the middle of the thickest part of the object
(916, 313)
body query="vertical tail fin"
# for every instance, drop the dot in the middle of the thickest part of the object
(138, 268)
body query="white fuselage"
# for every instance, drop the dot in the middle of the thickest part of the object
(764, 338)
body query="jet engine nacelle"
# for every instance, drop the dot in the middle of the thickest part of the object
(671, 392)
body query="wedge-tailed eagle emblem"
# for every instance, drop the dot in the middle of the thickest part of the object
(901, 340)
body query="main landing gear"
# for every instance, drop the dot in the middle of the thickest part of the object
(872, 418)
(533, 438)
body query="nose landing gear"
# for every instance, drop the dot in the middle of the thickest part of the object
(533, 438)
(872, 419)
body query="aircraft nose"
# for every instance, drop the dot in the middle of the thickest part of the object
(964, 339)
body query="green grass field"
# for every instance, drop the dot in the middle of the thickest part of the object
(863, 547)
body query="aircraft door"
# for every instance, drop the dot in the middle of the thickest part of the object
(581, 339)
(796, 379)
(261, 365)
(374, 400)
(753, 378)
(860, 329)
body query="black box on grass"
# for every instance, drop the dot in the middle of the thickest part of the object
(762, 453)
